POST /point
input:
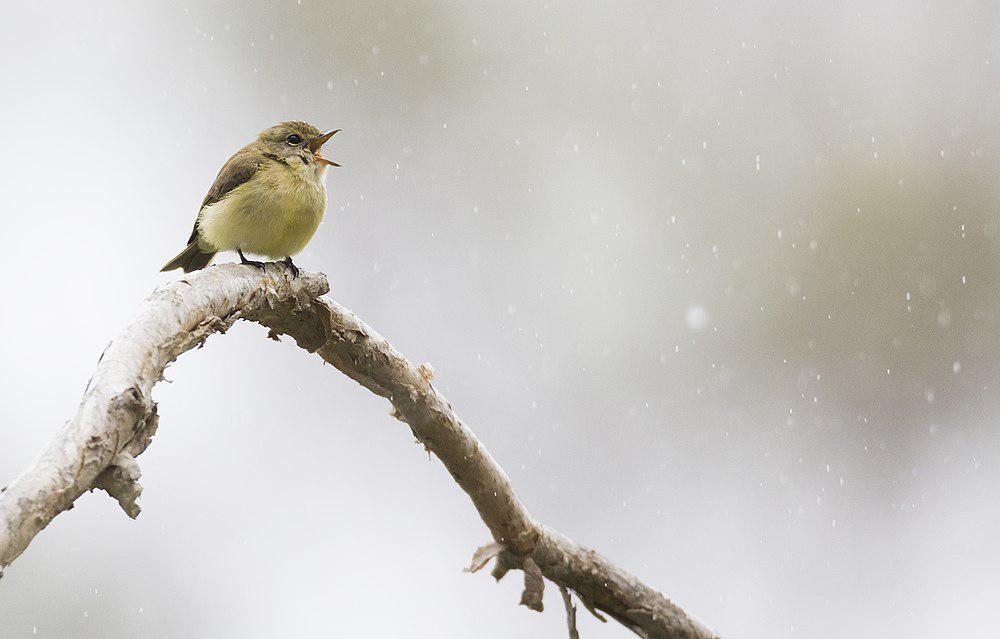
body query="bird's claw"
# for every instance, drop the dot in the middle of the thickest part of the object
(243, 260)
(261, 265)
(291, 265)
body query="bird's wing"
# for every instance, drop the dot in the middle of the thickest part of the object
(238, 170)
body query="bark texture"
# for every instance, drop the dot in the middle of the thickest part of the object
(117, 419)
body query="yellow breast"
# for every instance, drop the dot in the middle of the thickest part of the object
(274, 214)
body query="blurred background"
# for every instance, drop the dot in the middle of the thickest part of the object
(716, 284)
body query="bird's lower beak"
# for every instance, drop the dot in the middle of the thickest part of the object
(317, 142)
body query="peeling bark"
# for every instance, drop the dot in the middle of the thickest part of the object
(117, 418)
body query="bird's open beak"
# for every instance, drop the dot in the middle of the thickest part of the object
(317, 142)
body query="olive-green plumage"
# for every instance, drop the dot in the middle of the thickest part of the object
(268, 199)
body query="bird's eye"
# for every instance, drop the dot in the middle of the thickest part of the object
(294, 138)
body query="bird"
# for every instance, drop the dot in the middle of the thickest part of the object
(268, 200)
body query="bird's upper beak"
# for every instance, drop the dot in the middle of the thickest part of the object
(317, 142)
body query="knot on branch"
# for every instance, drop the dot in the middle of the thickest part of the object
(121, 480)
(534, 582)
(143, 431)
(534, 585)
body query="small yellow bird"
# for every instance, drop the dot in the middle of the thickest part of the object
(268, 200)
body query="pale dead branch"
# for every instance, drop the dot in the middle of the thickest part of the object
(117, 419)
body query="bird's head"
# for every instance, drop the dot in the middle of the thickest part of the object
(296, 144)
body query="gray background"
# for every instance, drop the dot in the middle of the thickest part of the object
(716, 284)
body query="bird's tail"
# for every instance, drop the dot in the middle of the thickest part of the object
(190, 259)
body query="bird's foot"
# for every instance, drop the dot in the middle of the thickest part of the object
(291, 265)
(243, 260)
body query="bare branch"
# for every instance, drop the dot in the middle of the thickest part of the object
(570, 613)
(117, 418)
